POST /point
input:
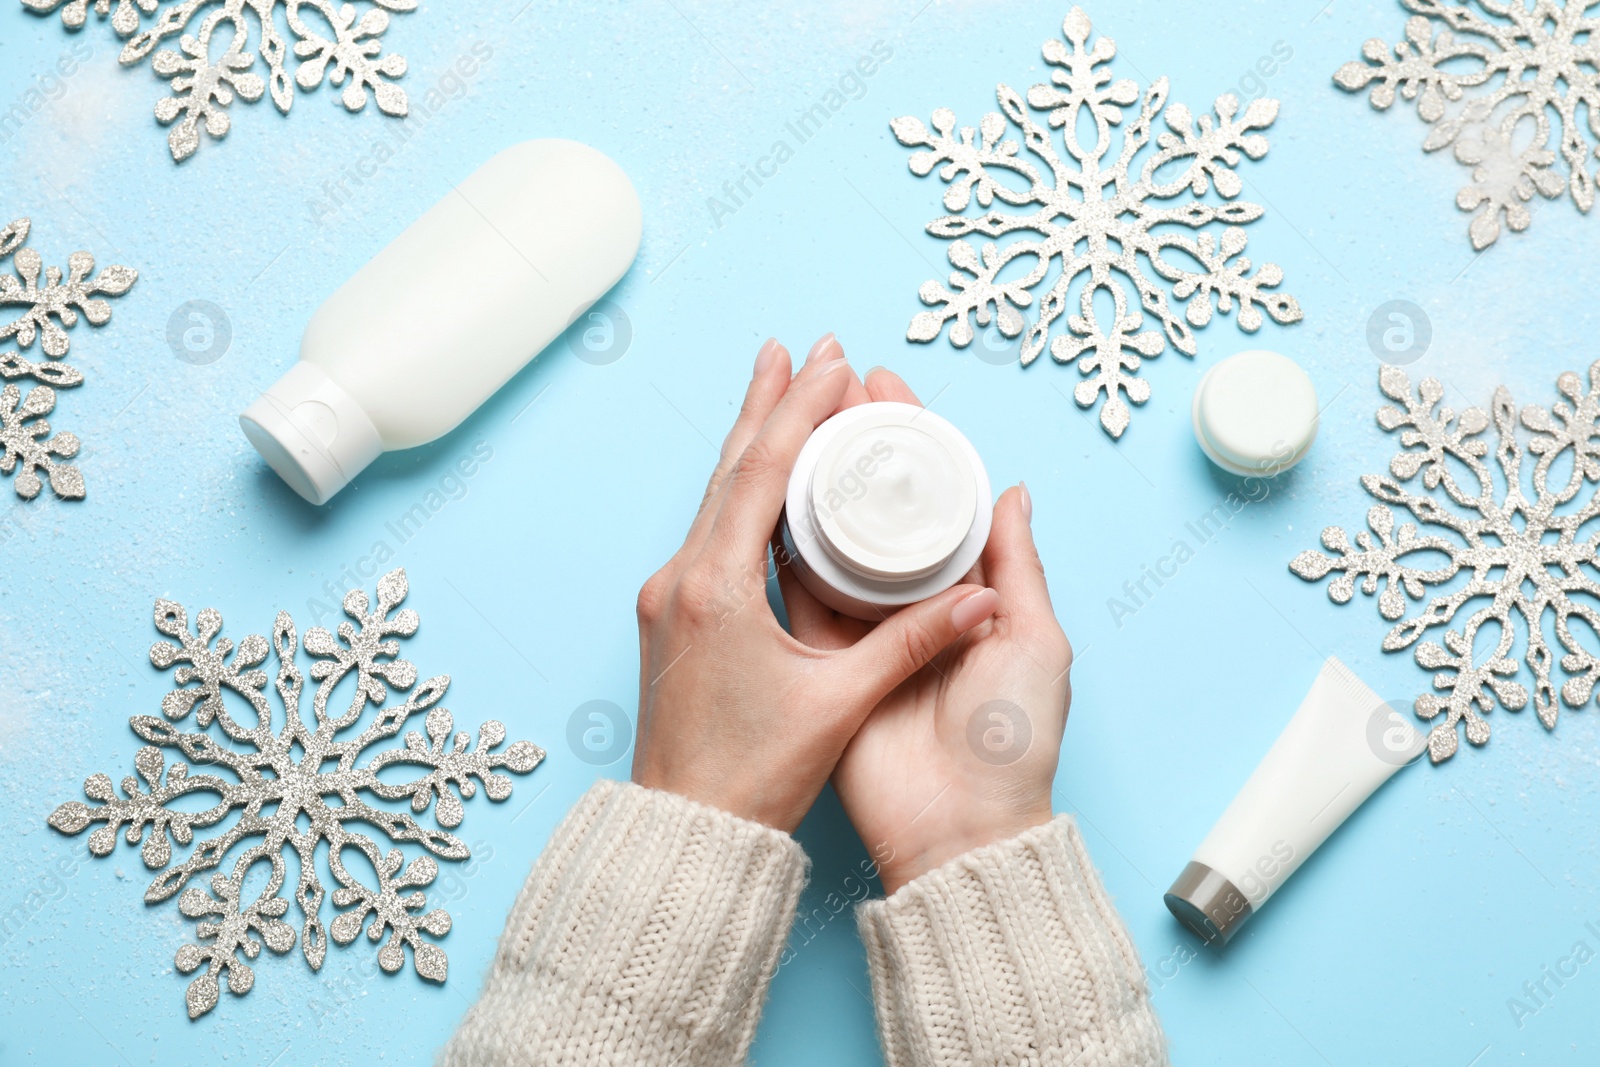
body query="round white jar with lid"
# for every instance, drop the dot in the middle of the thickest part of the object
(1255, 413)
(888, 504)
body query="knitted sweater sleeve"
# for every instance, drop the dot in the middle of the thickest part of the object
(647, 933)
(1009, 954)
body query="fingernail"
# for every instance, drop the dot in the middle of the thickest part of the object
(873, 371)
(827, 347)
(974, 609)
(1027, 501)
(765, 357)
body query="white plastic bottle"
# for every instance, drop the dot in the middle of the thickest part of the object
(448, 312)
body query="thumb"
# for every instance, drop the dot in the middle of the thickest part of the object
(906, 641)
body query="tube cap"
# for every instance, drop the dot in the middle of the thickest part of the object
(311, 432)
(1208, 903)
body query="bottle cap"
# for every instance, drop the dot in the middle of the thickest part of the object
(311, 432)
(1208, 903)
(888, 504)
(1255, 413)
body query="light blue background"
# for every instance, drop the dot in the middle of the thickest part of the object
(1400, 942)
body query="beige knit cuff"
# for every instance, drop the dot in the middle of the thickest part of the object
(1009, 954)
(647, 932)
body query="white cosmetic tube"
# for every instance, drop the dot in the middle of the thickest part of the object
(1341, 745)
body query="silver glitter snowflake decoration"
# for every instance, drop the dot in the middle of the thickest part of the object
(52, 308)
(332, 41)
(1086, 209)
(295, 788)
(1510, 559)
(1477, 79)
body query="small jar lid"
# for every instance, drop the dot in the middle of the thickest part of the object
(893, 493)
(1255, 413)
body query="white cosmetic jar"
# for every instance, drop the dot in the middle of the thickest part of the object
(888, 504)
(1255, 413)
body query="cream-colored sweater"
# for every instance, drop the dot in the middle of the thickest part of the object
(650, 928)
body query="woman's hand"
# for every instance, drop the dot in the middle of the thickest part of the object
(733, 711)
(964, 752)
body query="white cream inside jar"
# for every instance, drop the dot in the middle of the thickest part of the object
(888, 505)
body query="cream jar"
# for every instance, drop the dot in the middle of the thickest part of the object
(888, 504)
(1255, 413)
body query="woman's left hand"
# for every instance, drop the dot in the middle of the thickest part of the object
(733, 711)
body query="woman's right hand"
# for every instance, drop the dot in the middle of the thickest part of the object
(964, 752)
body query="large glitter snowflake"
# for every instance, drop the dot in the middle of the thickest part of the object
(26, 444)
(1087, 210)
(1505, 553)
(1476, 80)
(332, 41)
(295, 788)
